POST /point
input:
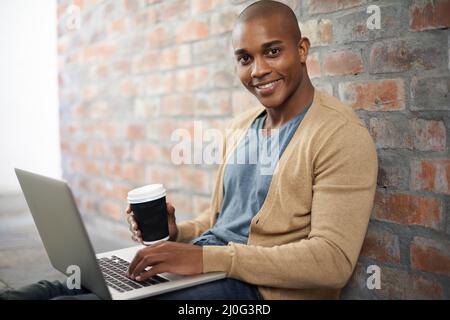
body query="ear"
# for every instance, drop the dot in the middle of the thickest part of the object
(303, 49)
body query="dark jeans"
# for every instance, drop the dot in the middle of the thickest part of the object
(224, 289)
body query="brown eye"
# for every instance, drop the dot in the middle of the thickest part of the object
(273, 52)
(244, 59)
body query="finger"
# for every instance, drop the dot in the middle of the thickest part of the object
(128, 210)
(170, 208)
(149, 261)
(159, 268)
(136, 260)
(129, 218)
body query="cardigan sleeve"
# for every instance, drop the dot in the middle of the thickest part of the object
(191, 229)
(345, 172)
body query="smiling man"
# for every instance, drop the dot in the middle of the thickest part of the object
(296, 232)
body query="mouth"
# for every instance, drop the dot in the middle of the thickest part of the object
(267, 88)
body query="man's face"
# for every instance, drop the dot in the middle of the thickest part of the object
(267, 60)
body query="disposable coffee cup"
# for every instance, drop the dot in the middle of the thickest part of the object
(148, 204)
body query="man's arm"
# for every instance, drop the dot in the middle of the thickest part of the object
(191, 229)
(343, 191)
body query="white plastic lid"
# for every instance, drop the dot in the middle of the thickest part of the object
(147, 193)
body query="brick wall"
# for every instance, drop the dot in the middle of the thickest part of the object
(136, 70)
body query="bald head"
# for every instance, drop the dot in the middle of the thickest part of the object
(265, 9)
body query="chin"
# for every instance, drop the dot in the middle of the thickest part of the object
(270, 103)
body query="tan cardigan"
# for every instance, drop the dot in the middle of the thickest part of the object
(305, 240)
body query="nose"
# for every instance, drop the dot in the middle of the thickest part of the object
(260, 68)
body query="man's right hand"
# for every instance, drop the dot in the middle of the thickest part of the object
(136, 233)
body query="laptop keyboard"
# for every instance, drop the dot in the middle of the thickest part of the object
(114, 271)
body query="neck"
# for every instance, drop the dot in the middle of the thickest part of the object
(278, 116)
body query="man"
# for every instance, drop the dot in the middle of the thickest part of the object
(300, 231)
(295, 233)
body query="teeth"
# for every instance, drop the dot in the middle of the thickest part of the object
(268, 85)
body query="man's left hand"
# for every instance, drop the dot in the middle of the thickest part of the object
(167, 256)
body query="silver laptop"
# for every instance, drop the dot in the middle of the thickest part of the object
(67, 243)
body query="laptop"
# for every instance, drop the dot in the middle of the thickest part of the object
(67, 243)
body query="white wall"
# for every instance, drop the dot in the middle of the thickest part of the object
(29, 133)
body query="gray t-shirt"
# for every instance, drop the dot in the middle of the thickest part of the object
(247, 178)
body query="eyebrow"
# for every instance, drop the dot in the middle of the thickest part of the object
(263, 46)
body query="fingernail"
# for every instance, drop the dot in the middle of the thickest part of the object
(138, 278)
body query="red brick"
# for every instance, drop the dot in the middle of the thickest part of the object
(431, 175)
(430, 255)
(100, 51)
(146, 152)
(146, 62)
(408, 209)
(175, 57)
(113, 169)
(214, 49)
(196, 180)
(98, 149)
(145, 18)
(118, 150)
(119, 191)
(201, 6)
(223, 21)
(319, 32)
(243, 100)
(118, 26)
(376, 95)
(175, 9)
(224, 78)
(158, 84)
(147, 108)
(192, 79)
(166, 174)
(112, 210)
(313, 65)
(342, 63)
(425, 15)
(158, 37)
(100, 70)
(81, 149)
(90, 167)
(174, 105)
(323, 6)
(213, 103)
(381, 246)
(192, 30)
(121, 68)
(133, 172)
(135, 131)
(401, 55)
